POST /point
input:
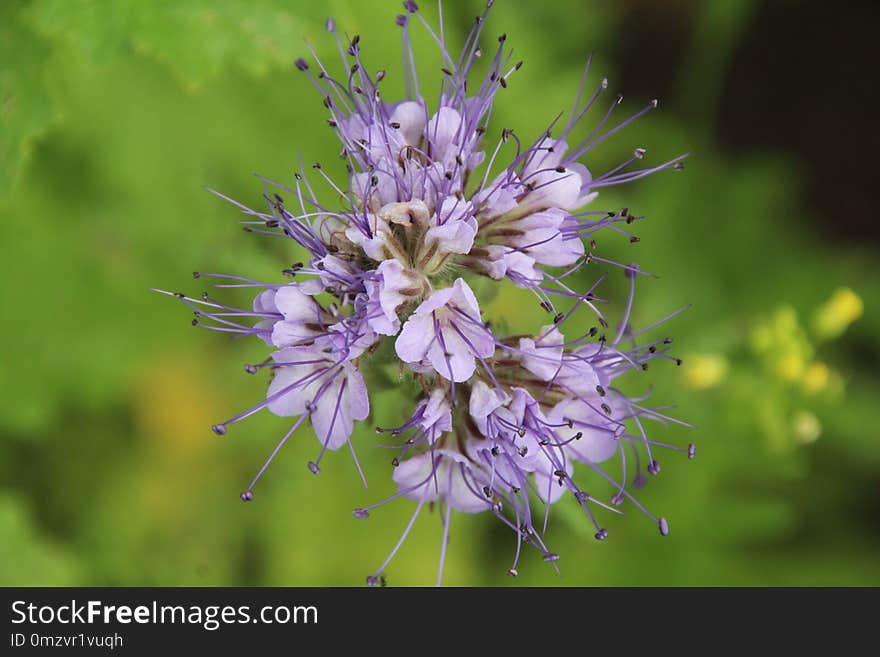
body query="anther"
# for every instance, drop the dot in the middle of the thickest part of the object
(250, 369)
(247, 496)
(664, 527)
(512, 572)
(601, 535)
(654, 468)
(360, 513)
(692, 451)
(606, 409)
(550, 557)
(219, 429)
(301, 64)
(395, 461)
(600, 390)
(313, 468)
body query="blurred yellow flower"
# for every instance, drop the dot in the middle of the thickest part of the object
(806, 427)
(704, 371)
(834, 316)
(790, 366)
(816, 378)
(173, 406)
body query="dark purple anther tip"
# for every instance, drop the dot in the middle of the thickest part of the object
(401, 20)
(330, 25)
(551, 556)
(247, 496)
(654, 468)
(219, 429)
(602, 534)
(410, 6)
(360, 513)
(372, 580)
(692, 451)
(512, 572)
(617, 499)
(664, 527)
(313, 468)
(250, 369)
(301, 64)
(196, 274)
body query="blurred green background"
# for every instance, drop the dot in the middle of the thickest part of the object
(116, 114)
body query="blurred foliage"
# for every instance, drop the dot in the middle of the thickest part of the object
(115, 115)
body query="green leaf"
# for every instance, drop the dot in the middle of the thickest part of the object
(196, 39)
(25, 106)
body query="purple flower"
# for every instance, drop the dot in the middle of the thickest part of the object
(436, 198)
(446, 331)
(332, 393)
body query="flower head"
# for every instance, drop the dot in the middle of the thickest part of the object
(436, 199)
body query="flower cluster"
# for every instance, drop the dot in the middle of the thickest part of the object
(501, 419)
